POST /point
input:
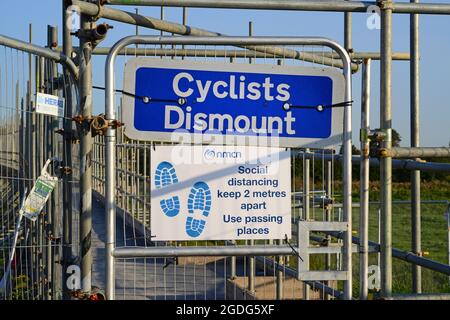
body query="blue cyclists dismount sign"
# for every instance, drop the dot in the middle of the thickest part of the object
(232, 103)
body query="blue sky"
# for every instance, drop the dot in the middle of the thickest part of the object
(435, 50)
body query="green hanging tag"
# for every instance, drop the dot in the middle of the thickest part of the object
(40, 193)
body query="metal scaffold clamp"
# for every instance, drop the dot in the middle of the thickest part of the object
(100, 124)
(385, 4)
(97, 124)
(95, 294)
(95, 35)
(378, 136)
(100, 4)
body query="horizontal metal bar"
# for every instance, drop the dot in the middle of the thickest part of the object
(420, 261)
(405, 256)
(205, 251)
(322, 275)
(331, 248)
(423, 296)
(336, 249)
(298, 5)
(325, 225)
(175, 28)
(293, 274)
(399, 164)
(397, 202)
(242, 53)
(417, 152)
(41, 52)
(141, 252)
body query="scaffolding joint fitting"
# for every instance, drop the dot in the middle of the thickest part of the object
(100, 124)
(378, 135)
(95, 294)
(95, 35)
(385, 4)
(65, 171)
(382, 152)
(100, 4)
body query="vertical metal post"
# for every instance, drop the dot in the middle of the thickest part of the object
(233, 264)
(379, 236)
(85, 89)
(364, 183)
(348, 31)
(32, 158)
(137, 26)
(161, 16)
(251, 262)
(31, 168)
(448, 236)
(347, 168)
(279, 283)
(41, 152)
(185, 15)
(328, 216)
(110, 179)
(67, 152)
(184, 22)
(279, 259)
(416, 246)
(55, 151)
(347, 179)
(386, 162)
(306, 205)
(47, 145)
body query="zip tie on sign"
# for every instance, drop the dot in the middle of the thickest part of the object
(180, 101)
(40, 193)
(287, 106)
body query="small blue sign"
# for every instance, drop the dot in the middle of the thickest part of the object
(232, 99)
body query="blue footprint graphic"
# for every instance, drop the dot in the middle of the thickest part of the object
(165, 175)
(199, 203)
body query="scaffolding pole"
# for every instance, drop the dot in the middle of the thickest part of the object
(294, 5)
(416, 229)
(67, 153)
(175, 28)
(416, 152)
(364, 182)
(208, 53)
(386, 162)
(85, 89)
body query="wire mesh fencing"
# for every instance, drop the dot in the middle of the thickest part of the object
(31, 254)
(316, 181)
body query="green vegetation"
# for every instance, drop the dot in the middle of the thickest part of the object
(434, 236)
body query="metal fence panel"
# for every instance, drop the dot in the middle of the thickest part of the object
(30, 251)
(216, 277)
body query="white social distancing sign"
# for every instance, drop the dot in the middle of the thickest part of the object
(220, 193)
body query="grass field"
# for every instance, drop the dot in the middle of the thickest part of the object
(434, 235)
